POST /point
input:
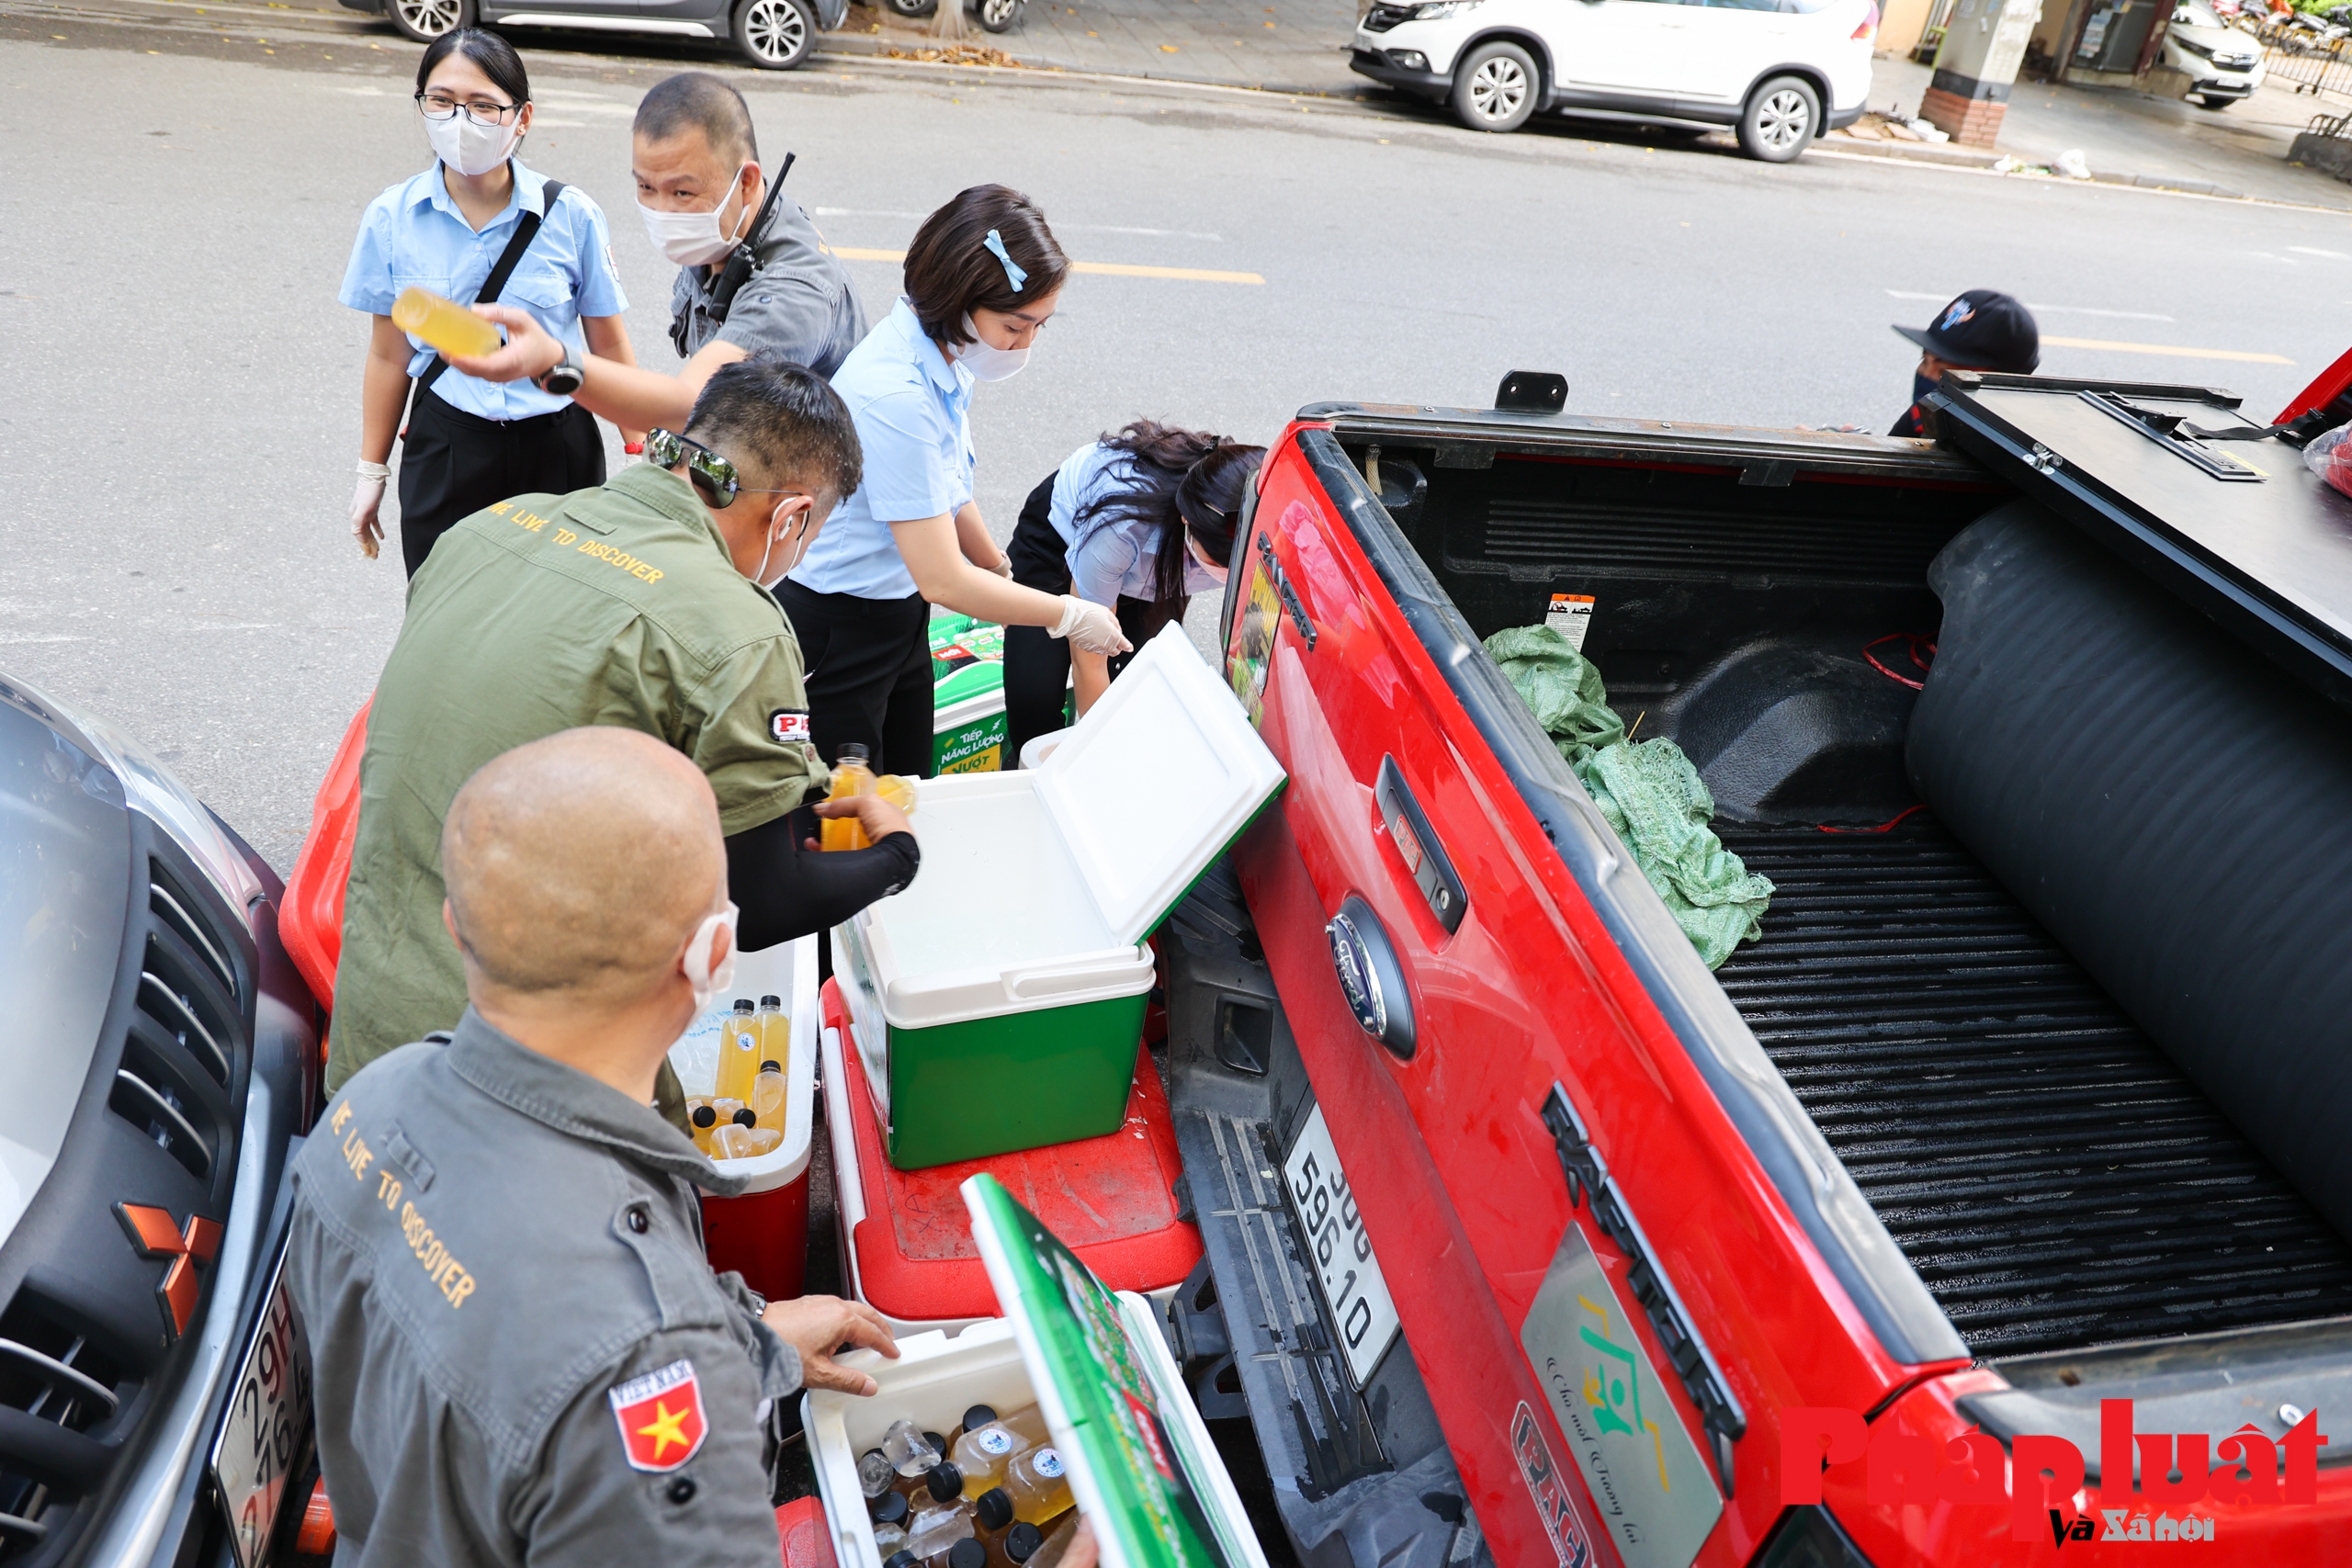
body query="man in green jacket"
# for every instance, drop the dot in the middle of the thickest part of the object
(640, 603)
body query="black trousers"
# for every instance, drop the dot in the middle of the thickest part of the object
(869, 674)
(1036, 665)
(453, 464)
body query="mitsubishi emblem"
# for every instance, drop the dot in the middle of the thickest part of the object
(153, 1234)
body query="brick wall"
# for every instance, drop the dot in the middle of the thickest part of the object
(1971, 122)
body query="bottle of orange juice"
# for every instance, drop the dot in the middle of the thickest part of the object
(852, 776)
(446, 324)
(738, 1053)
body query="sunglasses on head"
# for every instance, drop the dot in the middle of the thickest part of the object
(709, 472)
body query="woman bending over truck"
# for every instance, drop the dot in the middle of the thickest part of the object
(1137, 522)
(982, 278)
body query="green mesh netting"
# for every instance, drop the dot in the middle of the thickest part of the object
(1652, 798)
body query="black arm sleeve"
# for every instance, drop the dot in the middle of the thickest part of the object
(786, 891)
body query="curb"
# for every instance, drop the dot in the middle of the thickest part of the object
(1927, 152)
(877, 46)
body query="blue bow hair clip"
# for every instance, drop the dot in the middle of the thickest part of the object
(1012, 273)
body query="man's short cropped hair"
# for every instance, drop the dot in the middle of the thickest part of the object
(785, 417)
(696, 100)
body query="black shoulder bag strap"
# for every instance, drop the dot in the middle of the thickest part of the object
(526, 229)
(743, 260)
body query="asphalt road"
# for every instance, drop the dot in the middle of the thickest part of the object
(179, 389)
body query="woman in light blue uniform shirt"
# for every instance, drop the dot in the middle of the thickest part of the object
(1137, 522)
(983, 275)
(468, 444)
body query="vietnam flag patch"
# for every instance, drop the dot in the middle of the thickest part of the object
(661, 1417)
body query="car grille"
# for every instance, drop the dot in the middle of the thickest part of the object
(85, 1332)
(2052, 1177)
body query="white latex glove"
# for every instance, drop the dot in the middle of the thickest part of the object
(1091, 628)
(367, 501)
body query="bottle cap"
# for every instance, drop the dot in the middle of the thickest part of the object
(852, 753)
(993, 1508)
(745, 1004)
(938, 1443)
(978, 1415)
(967, 1553)
(746, 1117)
(771, 1001)
(890, 1508)
(1022, 1541)
(902, 1560)
(771, 1066)
(703, 1116)
(946, 1483)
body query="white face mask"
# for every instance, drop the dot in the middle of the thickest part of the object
(710, 980)
(470, 149)
(986, 361)
(693, 238)
(785, 570)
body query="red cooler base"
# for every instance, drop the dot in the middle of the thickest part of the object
(1111, 1200)
(807, 1538)
(762, 1236)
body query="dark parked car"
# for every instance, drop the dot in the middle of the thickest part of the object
(775, 35)
(159, 1061)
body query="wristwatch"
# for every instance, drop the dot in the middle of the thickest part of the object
(566, 377)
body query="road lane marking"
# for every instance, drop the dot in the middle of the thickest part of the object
(1101, 269)
(1059, 228)
(2240, 356)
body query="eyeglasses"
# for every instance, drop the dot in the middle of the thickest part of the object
(709, 472)
(481, 111)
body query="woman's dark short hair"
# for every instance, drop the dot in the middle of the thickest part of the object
(786, 418)
(951, 272)
(493, 54)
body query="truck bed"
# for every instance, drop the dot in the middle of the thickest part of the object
(2055, 1180)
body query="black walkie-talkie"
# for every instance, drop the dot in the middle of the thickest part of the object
(740, 261)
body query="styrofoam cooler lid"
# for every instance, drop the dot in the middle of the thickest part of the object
(1140, 1463)
(1154, 782)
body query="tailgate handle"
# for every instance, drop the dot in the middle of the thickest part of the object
(1416, 844)
(1588, 1179)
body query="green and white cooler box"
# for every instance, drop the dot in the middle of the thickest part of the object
(999, 1000)
(1141, 1464)
(968, 720)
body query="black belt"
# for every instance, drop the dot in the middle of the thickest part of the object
(464, 421)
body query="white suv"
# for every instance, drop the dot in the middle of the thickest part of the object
(1776, 69)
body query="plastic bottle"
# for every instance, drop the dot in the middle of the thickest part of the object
(726, 1111)
(992, 1516)
(1039, 1482)
(946, 1481)
(775, 1035)
(1019, 1545)
(901, 1558)
(964, 1553)
(739, 1053)
(1056, 1543)
(852, 776)
(975, 1416)
(770, 1090)
(874, 1474)
(907, 1450)
(936, 1528)
(446, 324)
(982, 1453)
(705, 1121)
(1028, 1424)
(885, 1507)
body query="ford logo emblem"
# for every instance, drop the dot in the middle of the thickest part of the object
(1370, 976)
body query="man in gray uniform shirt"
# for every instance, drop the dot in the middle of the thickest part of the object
(520, 1353)
(753, 278)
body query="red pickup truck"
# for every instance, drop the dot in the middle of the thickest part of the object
(1529, 1240)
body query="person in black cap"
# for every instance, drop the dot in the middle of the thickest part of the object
(1981, 330)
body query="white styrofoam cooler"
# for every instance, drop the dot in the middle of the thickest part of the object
(788, 972)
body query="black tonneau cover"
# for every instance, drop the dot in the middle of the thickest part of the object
(2239, 529)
